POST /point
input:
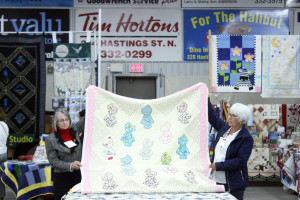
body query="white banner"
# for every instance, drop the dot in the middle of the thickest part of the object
(233, 4)
(127, 3)
(135, 35)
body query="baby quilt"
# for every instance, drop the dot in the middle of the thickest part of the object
(146, 146)
(236, 63)
(281, 66)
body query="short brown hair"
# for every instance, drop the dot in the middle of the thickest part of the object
(2, 114)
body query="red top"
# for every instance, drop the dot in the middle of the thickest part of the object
(65, 134)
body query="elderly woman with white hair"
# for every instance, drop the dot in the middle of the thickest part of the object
(64, 149)
(231, 149)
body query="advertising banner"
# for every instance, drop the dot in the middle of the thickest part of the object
(36, 3)
(128, 3)
(228, 22)
(135, 35)
(233, 4)
(37, 20)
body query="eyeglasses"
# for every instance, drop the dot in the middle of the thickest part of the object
(63, 120)
(232, 116)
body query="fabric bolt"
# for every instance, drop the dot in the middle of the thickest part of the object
(3, 158)
(146, 146)
(23, 83)
(280, 66)
(236, 63)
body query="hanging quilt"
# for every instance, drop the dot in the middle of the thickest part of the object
(72, 68)
(265, 124)
(22, 83)
(281, 66)
(293, 118)
(146, 146)
(236, 63)
(262, 165)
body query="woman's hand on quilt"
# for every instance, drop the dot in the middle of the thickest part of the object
(213, 166)
(76, 165)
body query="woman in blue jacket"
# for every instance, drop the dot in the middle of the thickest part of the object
(231, 149)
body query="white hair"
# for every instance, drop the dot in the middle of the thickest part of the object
(241, 111)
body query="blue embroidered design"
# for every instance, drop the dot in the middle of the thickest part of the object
(128, 138)
(147, 120)
(127, 167)
(182, 150)
(146, 152)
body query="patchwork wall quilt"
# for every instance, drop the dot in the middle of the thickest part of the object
(146, 146)
(266, 124)
(236, 63)
(280, 66)
(22, 83)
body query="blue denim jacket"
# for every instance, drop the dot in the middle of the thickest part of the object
(237, 155)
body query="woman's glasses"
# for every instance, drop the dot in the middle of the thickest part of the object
(232, 116)
(63, 120)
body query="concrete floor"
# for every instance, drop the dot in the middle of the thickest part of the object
(251, 193)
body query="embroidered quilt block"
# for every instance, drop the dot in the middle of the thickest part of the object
(236, 65)
(146, 146)
(281, 66)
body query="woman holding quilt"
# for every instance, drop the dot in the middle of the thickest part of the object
(64, 150)
(231, 149)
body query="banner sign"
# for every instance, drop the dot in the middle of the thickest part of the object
(135, 35)
(36, 3)
(228, 22)
(128, 3)
(14, 139)
(37, 20)
(233, 4)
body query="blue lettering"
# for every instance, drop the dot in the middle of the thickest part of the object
(14, 23)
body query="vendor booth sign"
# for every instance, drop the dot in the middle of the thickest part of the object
(14, 139)
(228, 22)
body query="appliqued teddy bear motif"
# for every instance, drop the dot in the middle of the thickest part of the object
(150, 180)
(109, 183)
(127, 168)
(184, 114)
(190, 177)
(108, 151)
(110, 118)
(128, 138)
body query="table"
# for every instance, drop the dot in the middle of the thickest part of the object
(187, 196)
(26, 179)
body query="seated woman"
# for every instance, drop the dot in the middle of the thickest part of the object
(64, 149)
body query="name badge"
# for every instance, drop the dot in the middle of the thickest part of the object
(70, 144)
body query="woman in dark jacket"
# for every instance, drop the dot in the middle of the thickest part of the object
(231, 149)
(64, 150)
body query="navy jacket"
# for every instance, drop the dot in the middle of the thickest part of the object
(237, 155)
